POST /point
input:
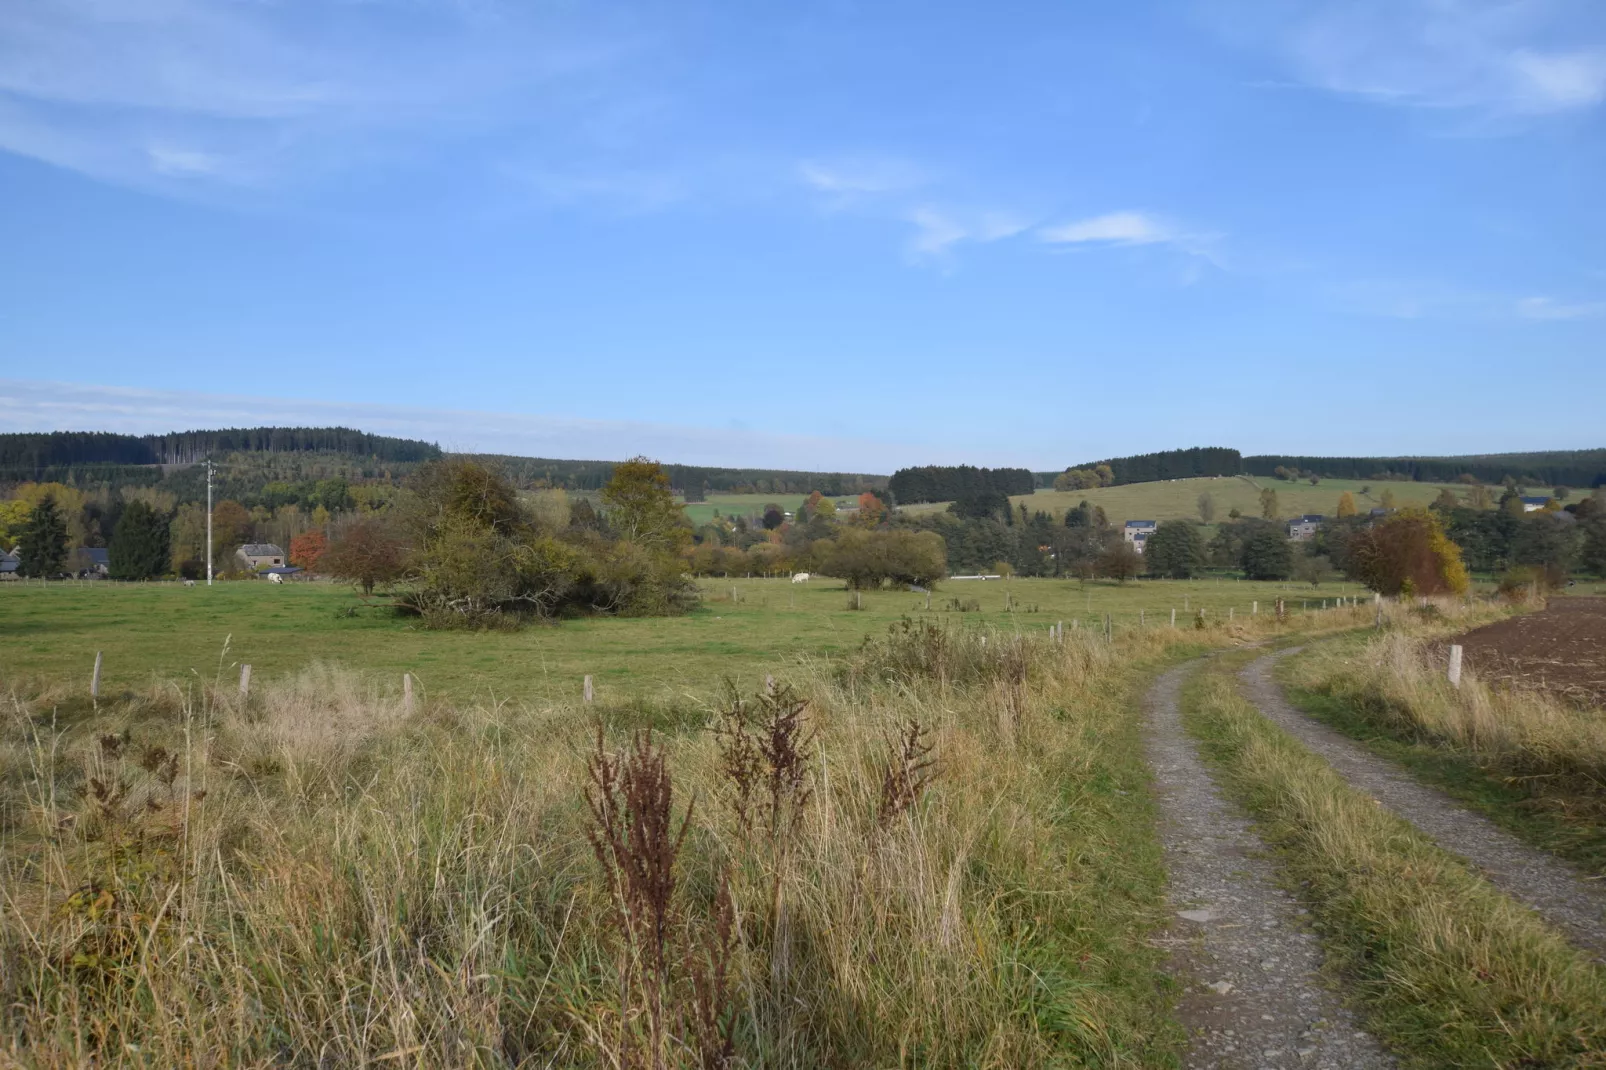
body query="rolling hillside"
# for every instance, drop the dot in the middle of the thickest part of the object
(1179, 498)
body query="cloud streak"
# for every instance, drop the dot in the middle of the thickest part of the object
(1511, 59)
(27, 405)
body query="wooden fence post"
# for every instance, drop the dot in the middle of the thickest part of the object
(588, 691)
(769, 685)
(1109, 633)
(1455, 666)
(407, 692)
(1254, 609)
(1173, 616)
(1140, 618)
(94, 679)
(245, 680)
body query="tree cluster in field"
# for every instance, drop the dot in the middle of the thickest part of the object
(952, 483)
(1574, 468)
(1165, 464)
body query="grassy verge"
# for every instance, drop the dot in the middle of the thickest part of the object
(320, 873)
(1448, 971)
(1535, 766)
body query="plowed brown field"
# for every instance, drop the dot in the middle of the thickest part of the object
(1561, 649)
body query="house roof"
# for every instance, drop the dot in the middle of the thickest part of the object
(1536, 501)
(1309, 518)
(96, 555)
(9, 562)
(1140, 523)
(261, 549)
(283, 570)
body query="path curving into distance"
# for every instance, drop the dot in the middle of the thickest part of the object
(1253, 993)
(1536, 878)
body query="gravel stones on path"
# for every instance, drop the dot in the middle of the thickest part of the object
(1573, 904)
(1254, 995)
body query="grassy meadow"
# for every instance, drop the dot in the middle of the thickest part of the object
(166, 632)
(750, 505)
(935, 848)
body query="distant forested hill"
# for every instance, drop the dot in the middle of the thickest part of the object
(1568, 468)
(691, 480)
(1166, 464)
(58, 449)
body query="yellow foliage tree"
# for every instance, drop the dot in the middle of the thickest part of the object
(1346, 504)
(1408, 553)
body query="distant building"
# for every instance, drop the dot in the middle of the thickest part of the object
(1304, 528)
(9, 564)
(1137, 533)
(259, 555)
(89, 562)
(1379, 512)
(1533, 505)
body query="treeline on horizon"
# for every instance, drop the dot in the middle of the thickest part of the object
(692, 481)
(1565, 468)
(959, 482)
(1165, 464)
(66, 449)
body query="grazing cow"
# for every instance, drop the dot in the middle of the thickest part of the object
(189, 583)
(274, 577)
(800, 577)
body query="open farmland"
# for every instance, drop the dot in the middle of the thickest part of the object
(1179, 498)
(168, 632)
(750, 505)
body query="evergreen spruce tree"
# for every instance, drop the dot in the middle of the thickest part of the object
(44, 540)
(139, 549)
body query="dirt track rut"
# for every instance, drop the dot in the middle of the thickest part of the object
(1254, 995)
(1571, 903)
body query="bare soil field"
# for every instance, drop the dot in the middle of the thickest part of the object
(1561, 649)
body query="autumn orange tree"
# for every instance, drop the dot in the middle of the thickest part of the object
(1407, 554)
(308, 548)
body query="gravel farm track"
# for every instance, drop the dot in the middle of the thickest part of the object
(1561, 649)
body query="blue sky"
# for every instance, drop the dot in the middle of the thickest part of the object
(816, 235)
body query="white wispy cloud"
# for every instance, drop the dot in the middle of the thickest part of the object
(938, 231)
(28, 405)
(1420, 299)
(1549, 308)
(1119, 228)
(157, 92)
(854, 175)
(1502, 58)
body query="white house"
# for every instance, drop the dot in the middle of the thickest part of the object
(1137, 532)
(258, 555)
(1304, 528)
(1533, 505)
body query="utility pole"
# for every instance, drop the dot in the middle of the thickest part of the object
(209, 523)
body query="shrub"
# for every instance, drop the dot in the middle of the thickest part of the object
(871, 558)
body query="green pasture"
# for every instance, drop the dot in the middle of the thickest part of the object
(49, 633)
(1179, 498)
(751, 505)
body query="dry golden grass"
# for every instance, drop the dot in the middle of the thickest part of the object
(318, 876)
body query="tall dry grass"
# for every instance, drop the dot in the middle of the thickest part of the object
(1398, 681)
(318, 877)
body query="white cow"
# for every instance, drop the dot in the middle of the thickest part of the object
(800, 577)
(274, 577)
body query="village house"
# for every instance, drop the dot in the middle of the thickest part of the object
(1137, 533)
(9, 564)
(260, 555)
(90, 562)
(1533, 505)
(1304, 528)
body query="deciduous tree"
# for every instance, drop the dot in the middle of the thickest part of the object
(1407, 553)
(1268, 503)
(1207, 508)
(1121, 561)
(308, 548)
(367, 552)
(1346, 505)
(1176, 549)
(641, 507)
